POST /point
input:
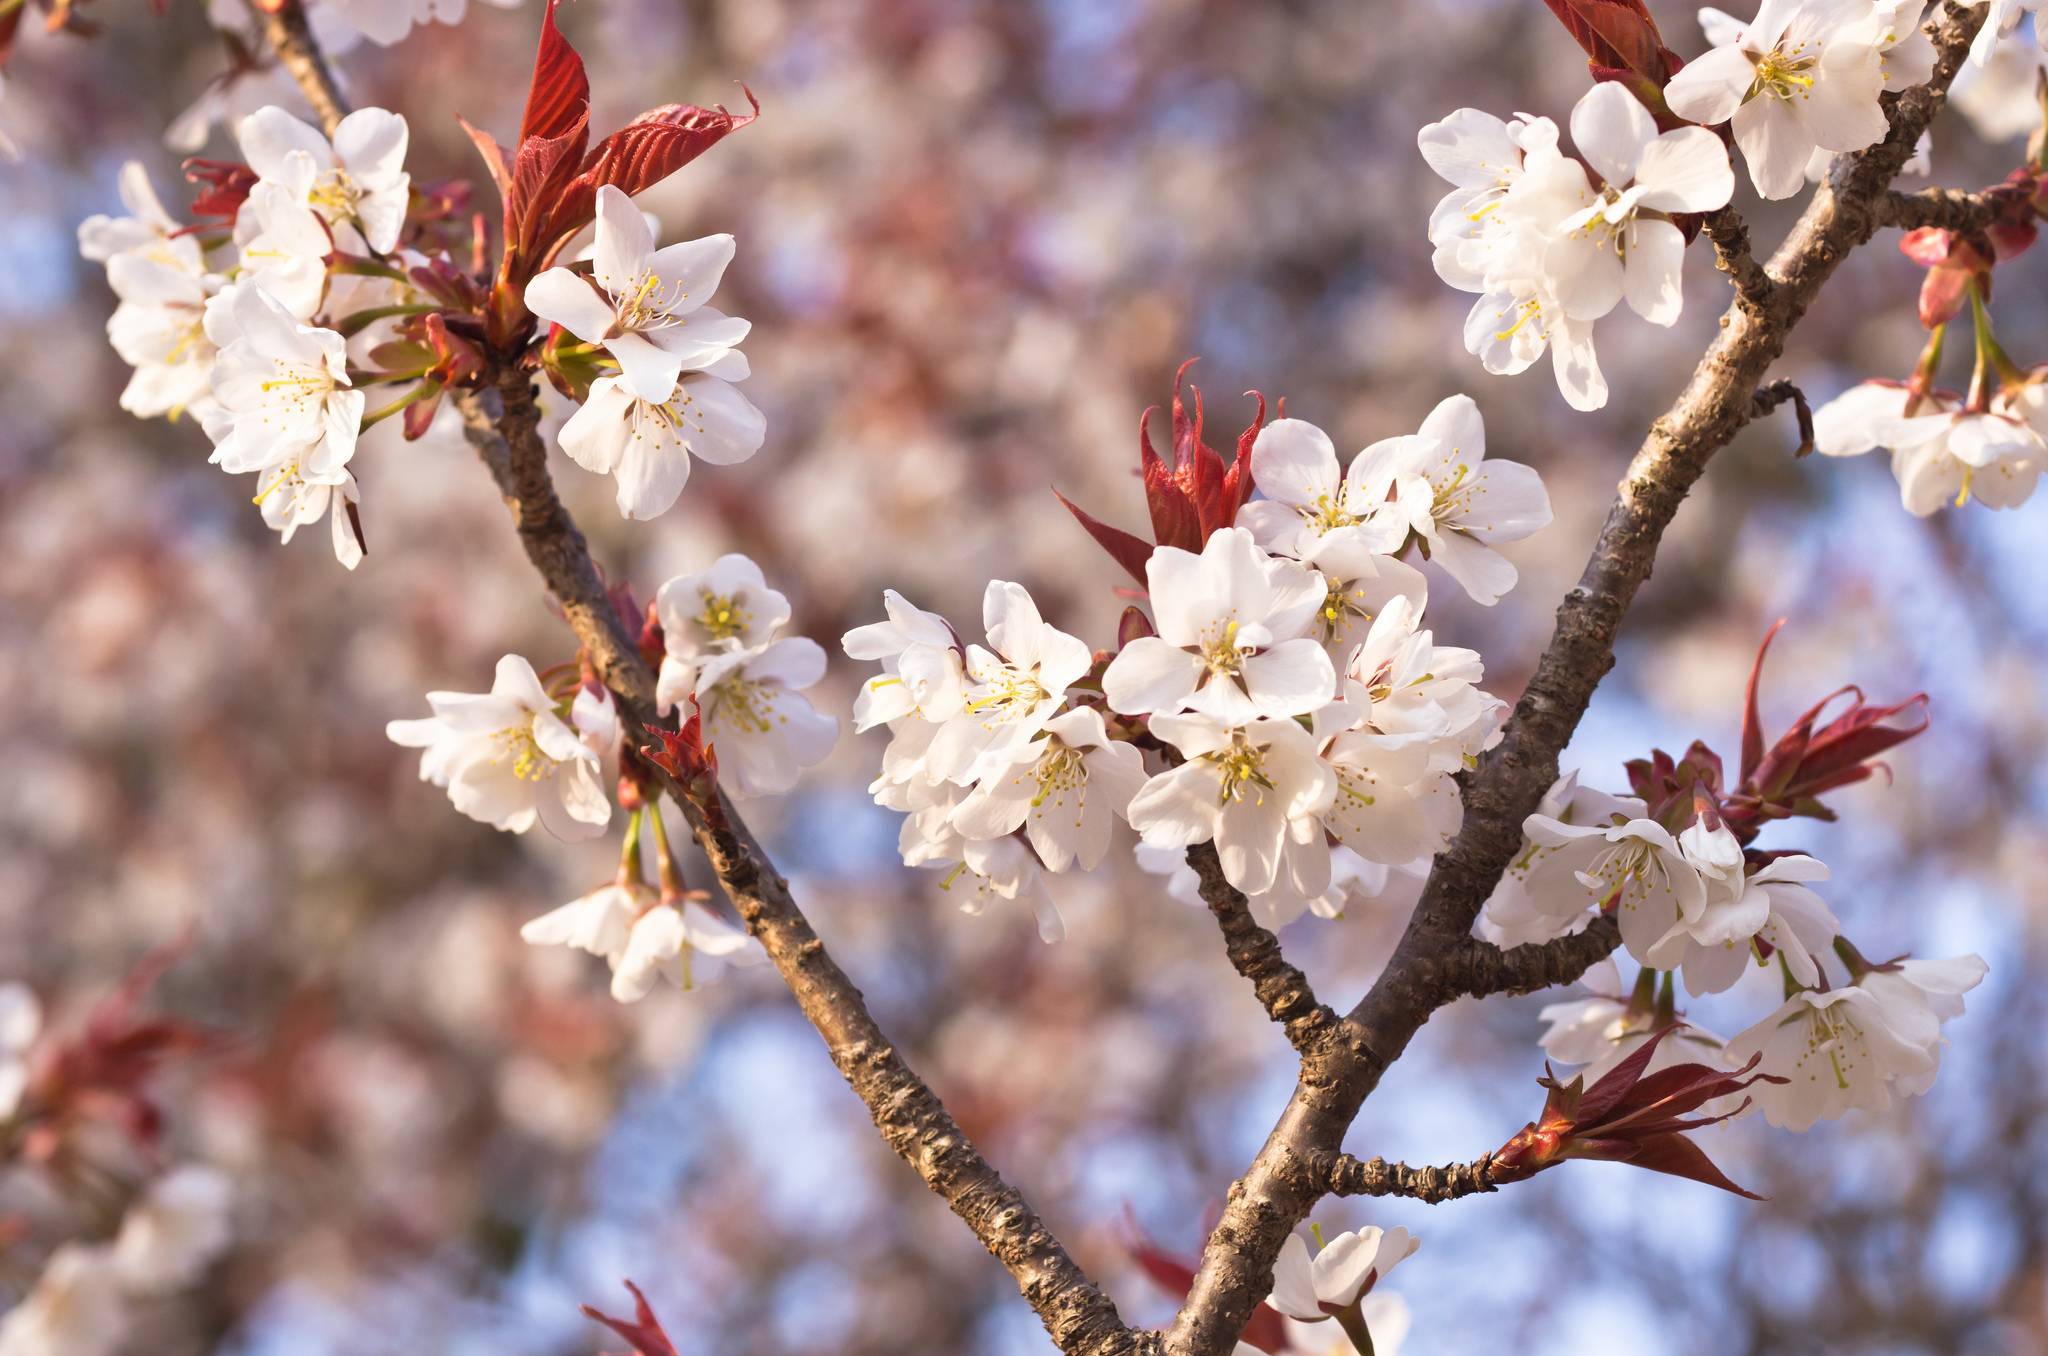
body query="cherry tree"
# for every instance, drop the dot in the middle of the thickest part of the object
(1273, 726)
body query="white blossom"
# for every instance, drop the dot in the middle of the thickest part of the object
(1459, 503)
(284, 247)
(1255, 789)
(1484, 158)
(755, 718)
(1941, 453)
(1771, 904)
(648, 444)
(517, 756)
(645, 305)
(283, 405)
(1639, 864)
(1346, 1267)
(1838, 1050)
(21, 1021)
(1014, 686)
(1310, 503)
(924, 669)
(357, 180)
(1233, 638)
(1917, 997)
(1515, 915)
(1802, 74)
(687, 946)
(1065, 790)
(719, 610)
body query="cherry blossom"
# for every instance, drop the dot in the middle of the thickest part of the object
(725, 608)
(1623, 245)
(687, 946)
(517, 756)
(1310, 502)
(1484, 158)
(924, 669)
(765, 732)
(357, 180)
(648, 444)
(1457, 502)
(1802, 74)
(1917, 997)
(1013, 687)
(1065, 790)
(21, 1021)
(284, 247)
(1838, 1049)
(1514, 914)
(147, 224)
(159, 328)
(1233, 638)
(644, 305)
(283, 403)
(1639, 864)
(978, 871)
(1942, 455)
(1771, 904)
(1254, 789)
(1340, 1274)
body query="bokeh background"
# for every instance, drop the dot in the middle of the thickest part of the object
(976, 238)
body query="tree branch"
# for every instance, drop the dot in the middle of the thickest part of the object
(1279, 1188)
(1283, 990)
(502, 423)
(1344, 1175)
(1482, 969)
(1949, 208)
(1730, 237)
(284, 28)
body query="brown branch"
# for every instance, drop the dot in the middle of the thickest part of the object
(1344, 1175)
(1283, 990)
(1278, 1190)
(1482, 969)
(284, 28)
(1768, 398)
(1730, 237)
(1949, 208)
(502, 423)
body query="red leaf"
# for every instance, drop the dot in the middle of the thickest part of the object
(1680, 1157)
(559, 97)
(1618, 34)
(1752, 732)
(644, 152)
(494, 157)
(1127, 550)
(644, 1332)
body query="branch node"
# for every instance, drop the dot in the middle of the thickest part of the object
(1768, 398)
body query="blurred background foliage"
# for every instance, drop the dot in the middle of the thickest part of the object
(976, 237)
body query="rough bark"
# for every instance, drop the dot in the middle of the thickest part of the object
(1278, 1190)
(1255, 953)
(1344, 1175)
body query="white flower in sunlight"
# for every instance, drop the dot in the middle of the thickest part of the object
(284, 247)
(1941, 454)
(1997, 96)
(1622, 245)
(1484, 158)
(1802, 74)
(1233, 638)
(1770, 904)
(1357, 586)
(358, 179)
(159, 328)
(1392, 804)
(517, 756)
(1352, 878)
(1459, 503)
(386, 22)
(1347, 1267)
(687, 946)
(1838, 1050)
(978, 871)
(1065, 790)
(1606, 1027)
(648, 444)
(1309, 501)
(1519, 317)
(289, 502)
(172, 1235)
(645, 305)
(1515, 916)
(1255, 790)
(74, 1308)
(2001, 18)
(148, 224)
(923, 665)
(281, 390)
(719, 610)
(21, 1021)
(1401, 682)
(599, 922)
(1014, 687)
(764, 731)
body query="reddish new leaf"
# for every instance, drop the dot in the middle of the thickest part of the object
(1752, 732)
(659, 142)
(1127, 550)
(645, 1332)
(559, 97)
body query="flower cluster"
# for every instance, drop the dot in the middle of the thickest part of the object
(1551, 244)
(1302, 718)
(1696, 903)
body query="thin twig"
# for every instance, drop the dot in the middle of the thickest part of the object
(1949, 208)
(1730, 237)
(1768, 398)
(285, 29)
(1344, 1175)
(1255, 952)
(1483, 969)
